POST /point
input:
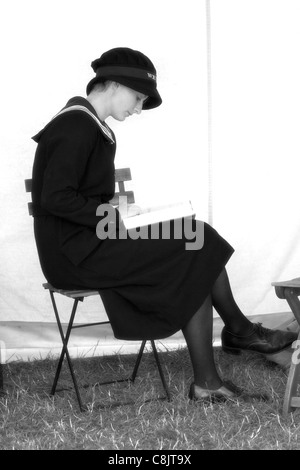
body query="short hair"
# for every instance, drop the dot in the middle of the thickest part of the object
(101, 86)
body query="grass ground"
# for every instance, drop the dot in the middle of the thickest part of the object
(32, 420)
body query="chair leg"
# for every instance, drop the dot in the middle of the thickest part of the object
(128, 379)
(1, 380)
(160, 370)
(291, 397)
(293, 301)
(138, 361)
(65, 351)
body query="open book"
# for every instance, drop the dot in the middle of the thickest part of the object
(152, 215)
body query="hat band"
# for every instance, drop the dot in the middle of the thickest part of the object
(120, 71)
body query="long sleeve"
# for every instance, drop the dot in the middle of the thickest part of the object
(70, 145)
(73, 173)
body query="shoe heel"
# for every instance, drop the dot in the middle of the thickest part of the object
(191, 394)
(233, 351)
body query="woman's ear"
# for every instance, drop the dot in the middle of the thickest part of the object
(115, 85)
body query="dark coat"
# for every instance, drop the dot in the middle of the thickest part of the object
(73, 173)
(150, 288)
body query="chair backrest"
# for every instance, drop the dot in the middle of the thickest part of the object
(121, 175)
(28, 189)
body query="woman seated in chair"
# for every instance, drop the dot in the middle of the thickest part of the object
(151, 287)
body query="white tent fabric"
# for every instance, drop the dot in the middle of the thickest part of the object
(229, 75)
(256, 149)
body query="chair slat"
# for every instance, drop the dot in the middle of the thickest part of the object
(292, 283)
(122, 174)
(28, 185)
(72, 293)
(30, 208)
(75, 294)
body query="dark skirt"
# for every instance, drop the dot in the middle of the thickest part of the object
(150, 287)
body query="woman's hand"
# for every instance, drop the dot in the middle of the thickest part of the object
(129, 210)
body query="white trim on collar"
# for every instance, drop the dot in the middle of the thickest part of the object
(79, 107)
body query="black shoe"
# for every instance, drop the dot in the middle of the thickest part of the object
(227, 392)
(261, 340)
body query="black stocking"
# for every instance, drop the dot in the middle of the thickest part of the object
(224, 303)
(198, 336)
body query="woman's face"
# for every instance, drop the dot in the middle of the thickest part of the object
(126, 102)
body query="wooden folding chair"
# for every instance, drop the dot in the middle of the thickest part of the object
(290, 291)
(77, 296)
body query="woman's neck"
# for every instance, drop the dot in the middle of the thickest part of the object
(100, 102)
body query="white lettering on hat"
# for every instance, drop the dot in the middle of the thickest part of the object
(150, 75)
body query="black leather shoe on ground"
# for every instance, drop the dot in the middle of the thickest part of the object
(227, 392)
(261, 340)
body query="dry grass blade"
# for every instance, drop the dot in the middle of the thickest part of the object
(31, 419)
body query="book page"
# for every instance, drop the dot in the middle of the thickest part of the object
(152, 215)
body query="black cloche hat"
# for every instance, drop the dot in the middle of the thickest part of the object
(129, 68)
